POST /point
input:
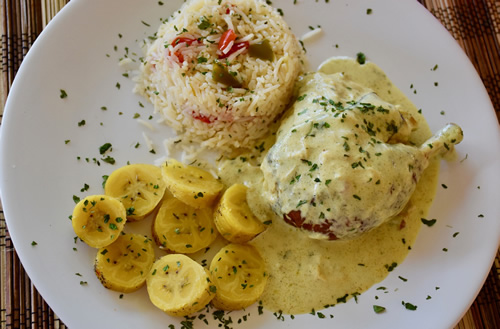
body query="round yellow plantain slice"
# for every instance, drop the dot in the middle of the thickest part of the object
(179, 286)
(139, 187)
(180, 228)
(233, 217)
(123, 265)
(239, 273)
(193, 186)
(98, 220)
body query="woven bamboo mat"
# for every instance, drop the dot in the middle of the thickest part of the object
(475, 24)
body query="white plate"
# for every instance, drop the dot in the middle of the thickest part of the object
(40, 173)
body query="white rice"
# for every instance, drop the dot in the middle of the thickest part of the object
(182, 87)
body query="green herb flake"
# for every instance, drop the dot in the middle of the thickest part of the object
(34, 243)
(409, 306)
(109, 160)
(378, 309)
(428, 222)
(301, 98)
(63, 94)
(391, 267)
(361, 58)
(301, 202)
(343, 299)
(104, 148)
(202, 59)
(204, 23)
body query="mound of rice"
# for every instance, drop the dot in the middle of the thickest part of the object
(218, 93)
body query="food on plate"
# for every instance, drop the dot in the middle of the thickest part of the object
(233, 217)
(239, 273)
(219, 72)
(98, 220)
(311, 274)
(192, 185)
(178, 285)
(342, 164)
(123, 265)
(180, 228)
(352, 160)
(139, 187)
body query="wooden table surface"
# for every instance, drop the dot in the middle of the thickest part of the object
(475, 24)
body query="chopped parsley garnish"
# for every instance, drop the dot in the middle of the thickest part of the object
(428, 222)
(63, 94)
(109, 160)
(361, 58)
(202, 59)
(342, 299)
(409, 306)
(105, 147)
(204, 23)
(378, 309)
(391, 267)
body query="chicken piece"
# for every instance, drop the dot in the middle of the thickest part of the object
(340, 165)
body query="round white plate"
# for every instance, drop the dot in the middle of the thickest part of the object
(48, 155)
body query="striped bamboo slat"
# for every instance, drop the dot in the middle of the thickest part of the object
(475, 24)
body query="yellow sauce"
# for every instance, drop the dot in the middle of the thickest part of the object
(305, 273)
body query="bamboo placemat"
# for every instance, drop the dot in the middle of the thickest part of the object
(475, 24)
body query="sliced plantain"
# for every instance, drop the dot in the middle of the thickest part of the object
(233, 217)
(98, 220)
(179, 286)
(239, 273)
(193, 186)
(139, 187)
(180, 228)
(123, 265)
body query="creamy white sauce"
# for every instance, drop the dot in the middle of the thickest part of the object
(307, 273)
